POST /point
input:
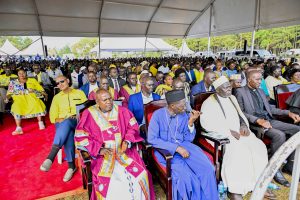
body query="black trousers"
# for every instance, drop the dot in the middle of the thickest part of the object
(279, 132)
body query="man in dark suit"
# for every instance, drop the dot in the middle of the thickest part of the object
(258, 111)
(137, 101)
(114, 80)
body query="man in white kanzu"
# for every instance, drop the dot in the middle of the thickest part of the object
(246, 156)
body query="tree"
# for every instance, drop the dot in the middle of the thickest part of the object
(276, 40)
(82, 47)
(18, 41)
(65, 50)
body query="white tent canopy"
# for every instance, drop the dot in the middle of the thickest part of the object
(8, 49)
(132, 44)
(185, 50)
(32, 50)
(150, 18)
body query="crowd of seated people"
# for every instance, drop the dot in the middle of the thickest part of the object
(242, 89)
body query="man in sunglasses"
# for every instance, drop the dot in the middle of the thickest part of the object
(62, 114)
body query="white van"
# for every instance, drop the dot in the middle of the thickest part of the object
(257, 53)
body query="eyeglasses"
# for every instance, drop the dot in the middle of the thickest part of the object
(59, 82)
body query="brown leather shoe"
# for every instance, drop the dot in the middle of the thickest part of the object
(233, 196)
(270, 195)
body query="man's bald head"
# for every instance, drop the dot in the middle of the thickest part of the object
(104, 100)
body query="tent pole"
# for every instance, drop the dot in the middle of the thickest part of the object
(145, 46)
(257, 12)
(183, 41)
(43, 47)
(99, 55)
(209, 30)
(252, 43)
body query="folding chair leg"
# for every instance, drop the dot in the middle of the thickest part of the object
(169, 189)
(89, 179)
(84, 178)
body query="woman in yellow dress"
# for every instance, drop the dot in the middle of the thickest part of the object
(163, 88)
(26, 93)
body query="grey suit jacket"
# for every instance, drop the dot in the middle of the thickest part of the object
(245, 100)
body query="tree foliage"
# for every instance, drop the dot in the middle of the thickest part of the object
(276, 40)
(18, 41)
(65, 50)
(82, 47)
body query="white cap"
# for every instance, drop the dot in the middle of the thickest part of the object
(220, 81)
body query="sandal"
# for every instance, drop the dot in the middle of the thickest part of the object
(17, 133)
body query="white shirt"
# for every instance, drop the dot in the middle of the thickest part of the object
(145, 101)
(92, 87)
(54, 74)
(134, 88)
(189, 74)
(208, 89)
(74, 77)
(163, 69)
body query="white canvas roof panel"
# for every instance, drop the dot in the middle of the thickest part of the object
(152, 18)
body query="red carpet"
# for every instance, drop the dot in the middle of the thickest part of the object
(20, 159)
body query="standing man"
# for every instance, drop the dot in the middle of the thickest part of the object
(63, 115)
(170, 128)
(130, 88)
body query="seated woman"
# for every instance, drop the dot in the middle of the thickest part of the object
(294, 76)
(163, 88)
(25, 93)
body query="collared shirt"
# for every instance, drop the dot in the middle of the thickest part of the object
(39, 76)
(145, 101)
(116, 84)
(260, 110)
(4, 80)
(163, 69)
(74, 77)
(64, 104)
(189, 75)
(54, 74)
(209, 89)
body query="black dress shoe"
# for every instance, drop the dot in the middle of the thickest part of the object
(233, 196)
(279, 178)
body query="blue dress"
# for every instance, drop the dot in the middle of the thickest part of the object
(193, 178)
